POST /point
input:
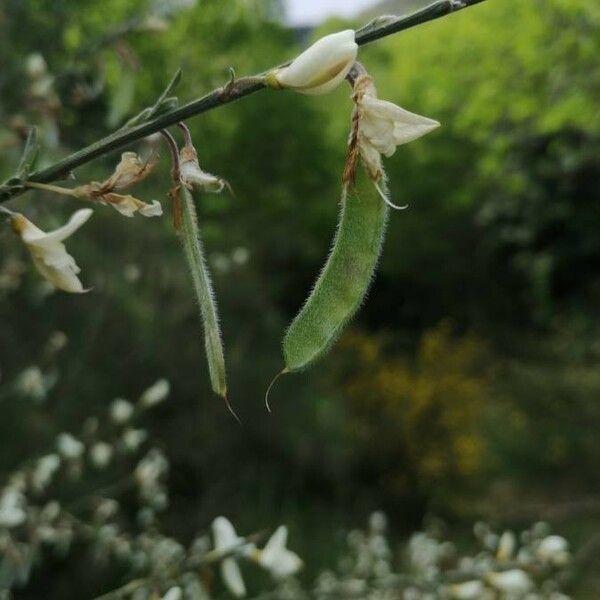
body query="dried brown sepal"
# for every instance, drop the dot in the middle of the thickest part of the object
(353, 154)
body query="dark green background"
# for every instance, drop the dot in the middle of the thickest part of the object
(469, 385)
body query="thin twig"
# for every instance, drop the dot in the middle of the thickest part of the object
(378, 28)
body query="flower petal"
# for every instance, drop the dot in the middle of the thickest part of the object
(232, 577)
(49, 254)
(63, 279)
(321, 67)
(58, 235)
(224, 534)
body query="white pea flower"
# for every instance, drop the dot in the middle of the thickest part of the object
(192, 176)
(44, 471)
(151, 468)
(174, 593)
(320, 68)
(134, 438)
(468, 590)
(31, 383)
(35, 65)
(276, 558)
(554, 549)
(506, 546)
(226, 540)
(12, 508)
(513, 582)
(121, 411)
(69, 446)
(101, 454)
(155, 394)
(383, 126)
(48, 252)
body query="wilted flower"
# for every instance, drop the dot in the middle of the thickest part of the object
(49, 254)
(276, 558)
(130, 170)
(514, 581)
(69, 447)
(155, 394)
(227, 540)
(320, 68)
(12, 508)
(192, 176)
(382, 126)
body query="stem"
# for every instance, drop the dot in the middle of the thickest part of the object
(51, 188)
(235, 89)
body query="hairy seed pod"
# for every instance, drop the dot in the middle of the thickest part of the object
(344, 281)
(204, 293)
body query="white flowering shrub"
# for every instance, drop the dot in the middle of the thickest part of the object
(40, 519)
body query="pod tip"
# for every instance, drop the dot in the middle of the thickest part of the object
(230, 408)
(280, 374)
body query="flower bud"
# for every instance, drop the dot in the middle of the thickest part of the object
(320, 68)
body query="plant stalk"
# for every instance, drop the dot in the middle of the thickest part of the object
(378, 28)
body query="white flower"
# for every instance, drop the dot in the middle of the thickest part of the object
(151, 468)
(192, 176)
(174, 593)
(227, 540)
(512, 582)
(383, 126)
(49, 254)
(554, 549)
(276, 558)
(469, 590)
(44, 471)
(506, 546)
(101, 454)
(12, 508)
(121, 411)
(320, 68)
(35, 65)
(156, 393)
(31, 383)
(240, 256)
(69, 447)
(134, 438)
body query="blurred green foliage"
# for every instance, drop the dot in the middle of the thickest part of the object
(501, 237)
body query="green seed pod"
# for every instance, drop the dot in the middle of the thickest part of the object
(345, 279)
(194, 253)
